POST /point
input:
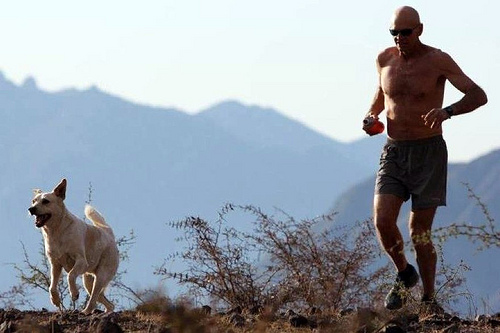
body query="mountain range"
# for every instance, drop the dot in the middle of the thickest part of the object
(143, 166)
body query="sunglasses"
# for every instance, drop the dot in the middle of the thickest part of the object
(403, 32)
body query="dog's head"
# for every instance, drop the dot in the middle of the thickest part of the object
(47, 206)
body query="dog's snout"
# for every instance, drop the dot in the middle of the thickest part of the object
(32, 210)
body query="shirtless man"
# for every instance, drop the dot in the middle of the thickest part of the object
(413, 163)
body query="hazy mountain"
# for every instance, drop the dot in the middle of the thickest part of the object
(147, 166)
(264, 127)
(480, 175)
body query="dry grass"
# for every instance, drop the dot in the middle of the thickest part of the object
(178, 318)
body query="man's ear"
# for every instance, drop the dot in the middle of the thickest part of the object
(60, 189)
(420, 29)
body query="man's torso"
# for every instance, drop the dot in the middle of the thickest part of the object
(412, 87)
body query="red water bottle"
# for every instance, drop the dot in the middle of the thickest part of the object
(373, 126)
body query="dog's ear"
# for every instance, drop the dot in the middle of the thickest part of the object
(60, 189)
(36, 191)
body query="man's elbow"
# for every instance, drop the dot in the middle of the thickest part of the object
(481, 97)
(484, 98)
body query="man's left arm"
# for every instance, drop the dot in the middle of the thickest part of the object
(474, 96)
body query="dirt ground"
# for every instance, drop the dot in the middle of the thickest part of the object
(199, 321)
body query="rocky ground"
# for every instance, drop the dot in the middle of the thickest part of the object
(176, 320)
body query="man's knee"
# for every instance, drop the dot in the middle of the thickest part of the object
(384, 224)
(386, 211)
(421, 225)
(420, 235)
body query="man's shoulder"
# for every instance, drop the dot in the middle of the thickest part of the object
(387, 54)
(391, 50)
(438, 57)
(435, 52)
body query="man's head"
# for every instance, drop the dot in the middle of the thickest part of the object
(406, 29)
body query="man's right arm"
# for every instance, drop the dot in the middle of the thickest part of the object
(377, 105)
(376, 108)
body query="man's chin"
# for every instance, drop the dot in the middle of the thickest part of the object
(403, 49)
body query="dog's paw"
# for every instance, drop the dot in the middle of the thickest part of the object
(88, 310)
(74, 296)
(55, 299)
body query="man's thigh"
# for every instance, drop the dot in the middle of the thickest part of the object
(386, 207)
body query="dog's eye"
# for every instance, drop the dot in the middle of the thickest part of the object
(45, 201)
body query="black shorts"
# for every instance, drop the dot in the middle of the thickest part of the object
(416, 169)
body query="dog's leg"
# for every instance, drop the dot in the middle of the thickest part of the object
(96, 290)
(88, 283)
(101, 280)
(55, 275)
(106, 302)
(78, 269)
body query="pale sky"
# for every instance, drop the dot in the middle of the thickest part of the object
(314, 61)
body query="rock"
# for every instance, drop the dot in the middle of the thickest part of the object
(54, 327)
(393, 328)
(346, 312)
(365, 320)
(97, 312)
(160, 330)
(494, 323)
(314, 311)
(237, 320)
(255, 310)
(237, 309)
(206, 310)
(297, 320)
(12, 315)
(481, 318)
(106, 325)
(453, 328)
(8, 327)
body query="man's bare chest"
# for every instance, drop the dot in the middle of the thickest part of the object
(409, 79)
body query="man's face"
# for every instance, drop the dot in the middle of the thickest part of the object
(405, 35)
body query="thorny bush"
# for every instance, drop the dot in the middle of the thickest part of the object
(282, 262)
(486, 234)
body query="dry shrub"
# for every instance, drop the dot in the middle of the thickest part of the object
(486, 235)
(281, 262)
(173, 316)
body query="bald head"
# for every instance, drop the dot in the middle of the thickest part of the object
(405, 16)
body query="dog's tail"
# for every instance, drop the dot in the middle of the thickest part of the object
(97, 219)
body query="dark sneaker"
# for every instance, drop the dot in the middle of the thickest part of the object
(406, 279)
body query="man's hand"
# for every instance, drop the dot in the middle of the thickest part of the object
(372, 126)
(368, 121)
(435, 117)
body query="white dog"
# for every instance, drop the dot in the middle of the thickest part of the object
(76, 246)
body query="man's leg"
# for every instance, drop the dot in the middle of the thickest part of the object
(420, 225)
(386, 211)
(385, 215)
